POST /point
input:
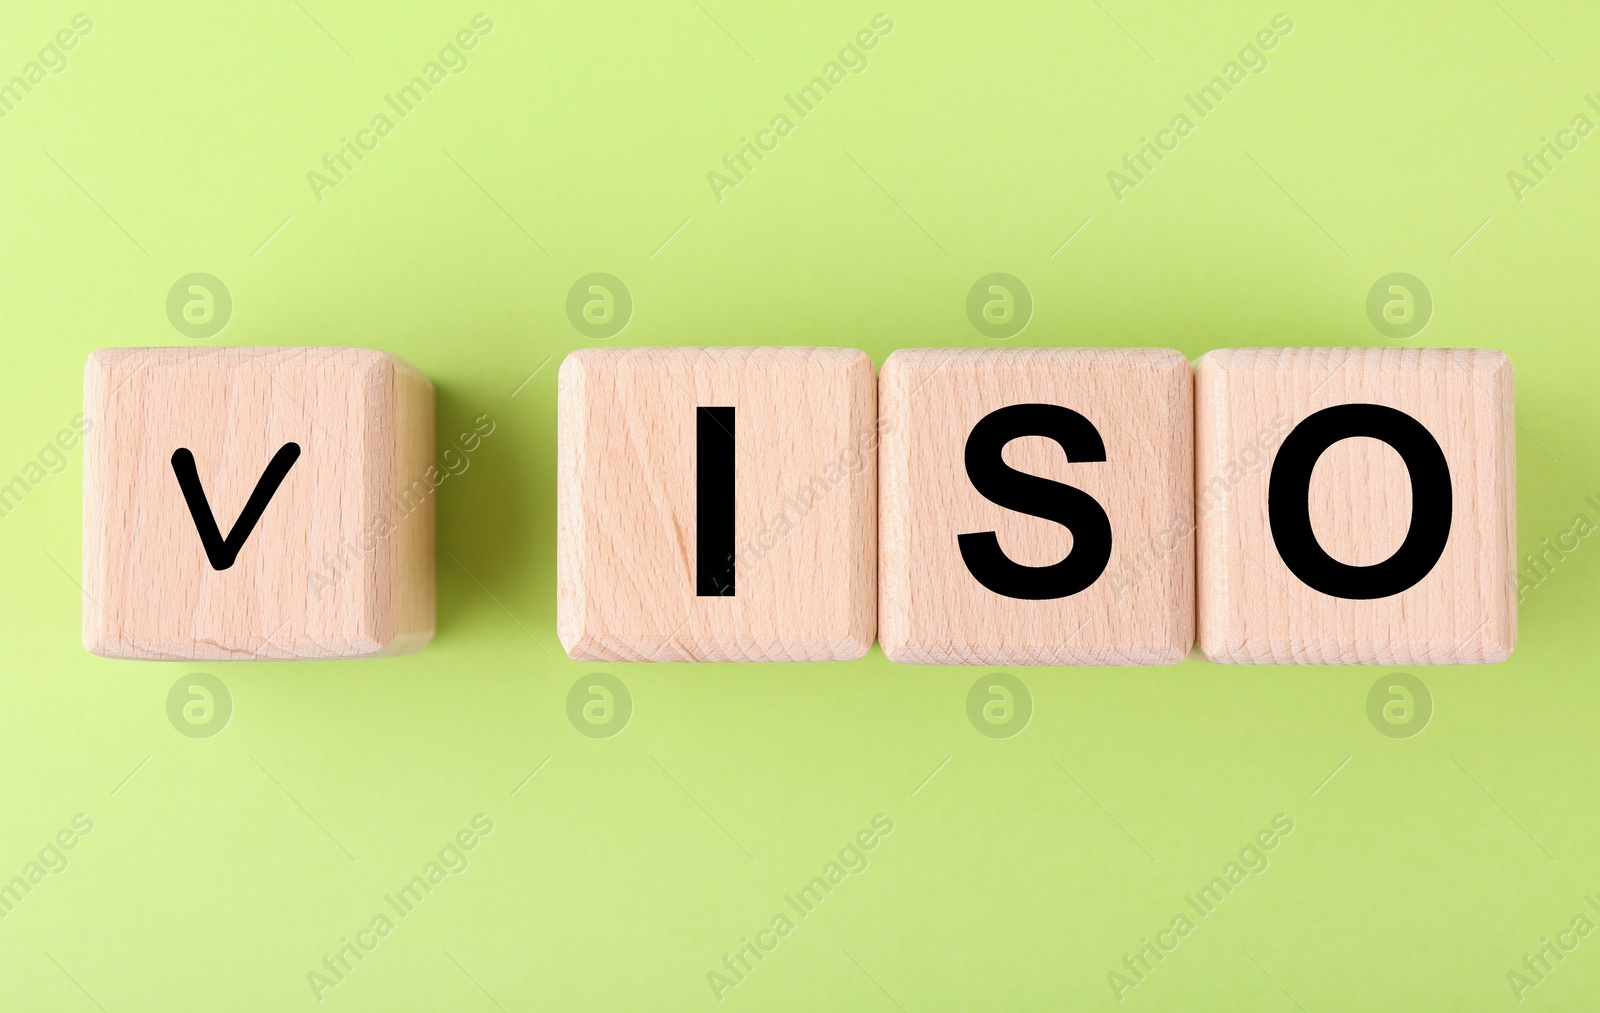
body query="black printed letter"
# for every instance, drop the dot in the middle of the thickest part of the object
(714, 502)
(1072, 508)
(1289, 510)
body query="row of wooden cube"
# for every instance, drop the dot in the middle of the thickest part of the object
(1001, 506)
(1037, 506)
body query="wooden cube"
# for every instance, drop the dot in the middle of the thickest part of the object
(716, 504)
(1035, 507)
(1357, 506)
(256, 504)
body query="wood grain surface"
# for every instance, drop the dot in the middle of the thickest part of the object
(1141, 609)
(805, 477)
(1253, 609)
(341, 561)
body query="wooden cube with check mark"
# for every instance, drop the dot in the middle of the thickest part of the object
(256, 504)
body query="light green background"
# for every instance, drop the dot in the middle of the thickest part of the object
(178, 139)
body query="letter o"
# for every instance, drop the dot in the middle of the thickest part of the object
(1289, 509)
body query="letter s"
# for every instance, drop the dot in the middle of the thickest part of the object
(1072, 508)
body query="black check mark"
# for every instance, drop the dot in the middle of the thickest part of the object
(221, 552)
